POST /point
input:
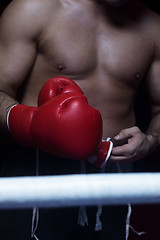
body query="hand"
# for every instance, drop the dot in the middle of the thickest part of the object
(63, 124)
(130, 145)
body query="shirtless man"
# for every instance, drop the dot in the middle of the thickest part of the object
(106, 46)
(108, 55)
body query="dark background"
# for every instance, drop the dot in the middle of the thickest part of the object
(154, 4)
(144, 217)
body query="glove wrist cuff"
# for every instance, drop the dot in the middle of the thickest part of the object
(8, 115)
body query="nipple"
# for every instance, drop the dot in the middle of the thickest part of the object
(60, 67)
(137, 75)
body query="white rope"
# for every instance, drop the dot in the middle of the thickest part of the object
(88, 189)
(79, 190)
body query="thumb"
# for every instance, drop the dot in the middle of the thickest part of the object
(122, 137)
(125, 133)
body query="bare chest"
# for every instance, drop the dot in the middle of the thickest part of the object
(78, 48)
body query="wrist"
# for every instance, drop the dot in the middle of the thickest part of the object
(153, 142)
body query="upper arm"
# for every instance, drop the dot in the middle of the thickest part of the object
(19, 30)
(153, 81)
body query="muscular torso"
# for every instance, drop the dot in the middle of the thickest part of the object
(108, 61)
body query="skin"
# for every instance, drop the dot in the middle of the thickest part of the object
(106, 47)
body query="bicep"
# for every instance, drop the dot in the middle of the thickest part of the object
(153, 85)
(15, 64)
(17, 51)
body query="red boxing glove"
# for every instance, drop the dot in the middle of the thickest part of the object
(64, 124)
(56, 86)
(100, 158)
(67, 126)
(20, 118)
(19, 121)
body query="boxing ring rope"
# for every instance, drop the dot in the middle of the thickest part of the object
(79, 190)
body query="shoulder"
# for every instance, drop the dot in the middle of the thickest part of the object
(151, 27)
(28, 15)
(149, 20)
(30, 6)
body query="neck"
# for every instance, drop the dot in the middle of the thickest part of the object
(126, 14)
(117, 3)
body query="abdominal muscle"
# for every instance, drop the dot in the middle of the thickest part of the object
(114, 101)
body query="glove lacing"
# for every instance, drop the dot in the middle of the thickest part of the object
(35, 214)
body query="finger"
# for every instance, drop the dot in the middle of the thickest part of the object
(122, 159)
(126, 133)
(124, 150)
(119, 142)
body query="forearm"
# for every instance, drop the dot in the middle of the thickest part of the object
(5, 104)
(153, 132)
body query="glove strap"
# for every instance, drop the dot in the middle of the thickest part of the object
(93, 159)
(98, 226)
(128, 217)
(82, 215)
(35, 214)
